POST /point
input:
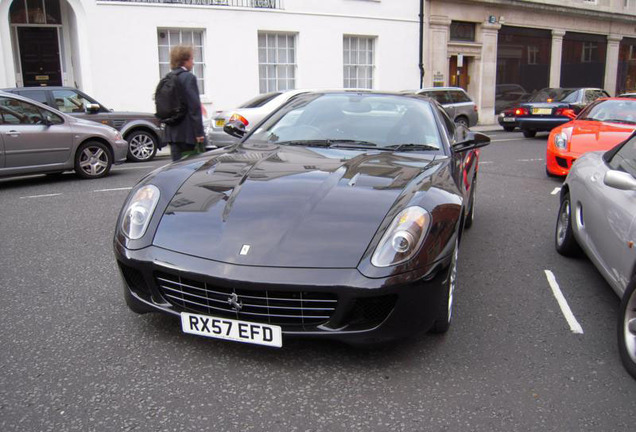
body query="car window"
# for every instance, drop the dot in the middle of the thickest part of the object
(625, 158)
(459, 96)
(555, 95)
(259, 100)
(591, 96)
(448, 124)
(69, 101)
(379, 120)
(440, 96)
(13, 111)
(36, 95)
(623, 111)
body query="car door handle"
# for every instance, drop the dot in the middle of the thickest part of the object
(13, 133)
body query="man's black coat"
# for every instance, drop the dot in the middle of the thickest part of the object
(191, 126)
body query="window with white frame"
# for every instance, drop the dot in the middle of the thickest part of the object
(276, 61)
(169, 38)
(588, 52)
(533, 53)
(358, 62)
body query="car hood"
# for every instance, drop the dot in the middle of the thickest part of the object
(287, 206)
(594, 135)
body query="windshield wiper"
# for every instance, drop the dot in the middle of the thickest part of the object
(344, 143)
(310, 143)
(399, 147)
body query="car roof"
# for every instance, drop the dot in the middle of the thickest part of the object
(31, 101)
(12, 89)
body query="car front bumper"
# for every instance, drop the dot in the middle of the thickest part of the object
(120, 151)
(367, 311)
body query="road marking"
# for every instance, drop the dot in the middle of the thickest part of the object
(556, 191)
(567, 312)
(504, 140)
(114, 189)
(135, 168)
(41, 196)
(530, 160)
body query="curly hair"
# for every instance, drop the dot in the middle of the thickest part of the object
(179, 55)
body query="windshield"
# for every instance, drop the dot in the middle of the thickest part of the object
(616, 111)
(555, 95)
(385, 122)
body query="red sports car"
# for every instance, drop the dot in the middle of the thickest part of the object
(601, 126)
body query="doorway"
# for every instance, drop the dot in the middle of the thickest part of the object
(40, 56)
(458, 72)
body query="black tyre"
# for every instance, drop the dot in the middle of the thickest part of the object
(93, 160)
(461, 121)
(509, 128)
(564, 240)
(627, 328)
(142, 146)
(470, 217)
(529, 133)
(445, 307)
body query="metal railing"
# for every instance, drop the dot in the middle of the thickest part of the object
(259, 4)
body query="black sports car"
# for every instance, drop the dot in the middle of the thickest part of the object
(338, 216)
(548, 108)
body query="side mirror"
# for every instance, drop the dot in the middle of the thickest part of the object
(620, 180)
(92, 108)
(472, 141)
(235, 128)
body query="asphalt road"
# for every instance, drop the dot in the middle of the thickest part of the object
(74, 358)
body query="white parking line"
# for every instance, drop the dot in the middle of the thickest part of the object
(114, 189)
(530, 160)
(41, 196)
(504, 140)
(556, 191)
(567, 312)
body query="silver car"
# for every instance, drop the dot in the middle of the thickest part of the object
(249, 113)
(35, 138)
(456, 102)
(598, 216)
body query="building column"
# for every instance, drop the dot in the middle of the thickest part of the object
(489, 35)
(439, 37)
(555, 58)
(611, 63)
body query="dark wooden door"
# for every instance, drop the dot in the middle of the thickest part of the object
(459, 76)
(40, 56)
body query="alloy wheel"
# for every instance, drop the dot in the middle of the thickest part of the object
(563, 222)
(141, 146)
(629, 324)
(93, 161)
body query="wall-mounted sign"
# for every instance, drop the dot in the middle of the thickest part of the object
(492, 19)
(438, 79)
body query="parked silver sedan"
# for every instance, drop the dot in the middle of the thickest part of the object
(598, 215)
(36, 139)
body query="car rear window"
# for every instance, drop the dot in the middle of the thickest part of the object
(555, 95)
(259, 100)
(459, 96)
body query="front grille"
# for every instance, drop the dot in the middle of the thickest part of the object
(562, 162)
(284, 308)
(371, 311)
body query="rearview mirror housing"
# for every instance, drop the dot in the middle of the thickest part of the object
(619, 180)
(235, 128)
(472, 141)
(92, 108)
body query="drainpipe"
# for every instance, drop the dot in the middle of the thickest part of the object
(421, 65)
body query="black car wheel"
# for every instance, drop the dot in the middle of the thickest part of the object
(529, 133)
(564, 240)
(445, 308)
(509, 128)
(461, 121)
(142, 146)
(93, 160)
(627, 328)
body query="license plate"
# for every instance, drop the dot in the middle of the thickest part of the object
(509, 119)
(230, 329)
(219, 123)
(541, 111)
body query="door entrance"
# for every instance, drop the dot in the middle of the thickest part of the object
(40, 56)
(459, 73)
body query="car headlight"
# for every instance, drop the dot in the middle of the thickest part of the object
(561, 140)
(403, 238)
(139, 212)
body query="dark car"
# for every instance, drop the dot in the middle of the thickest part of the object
(549, 108)
(338, 217)
(142, 130)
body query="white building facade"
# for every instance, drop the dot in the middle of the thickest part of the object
(116, 51)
